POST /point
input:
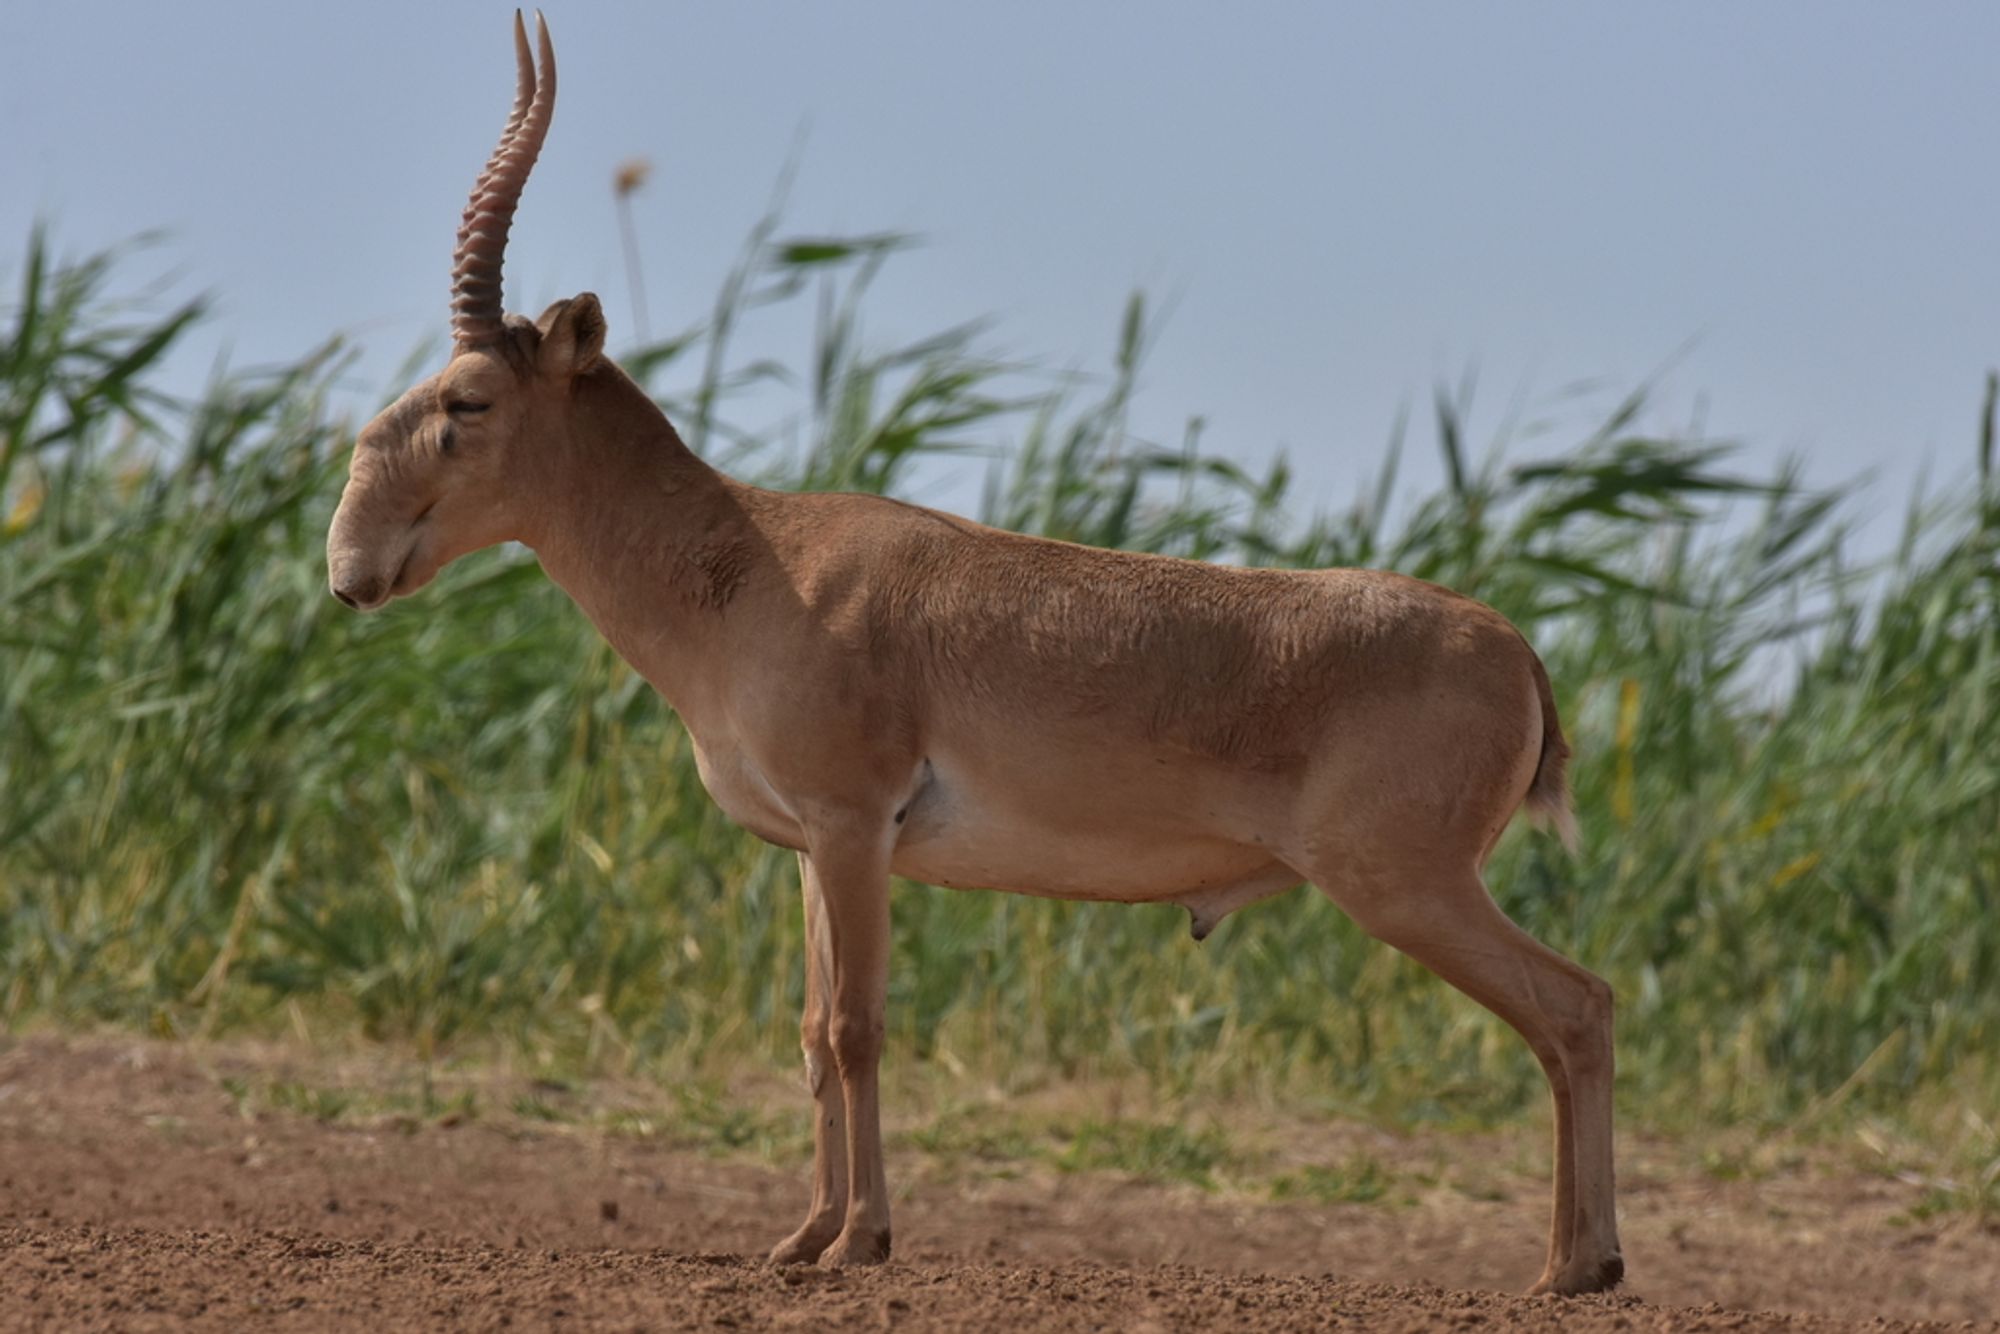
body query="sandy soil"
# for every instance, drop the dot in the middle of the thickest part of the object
(141, 1188)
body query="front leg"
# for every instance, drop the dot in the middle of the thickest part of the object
(849, 862)
(829, 1201)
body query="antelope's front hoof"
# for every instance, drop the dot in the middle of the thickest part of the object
(856, 1248)
(806, 1245)
(1581, 1276)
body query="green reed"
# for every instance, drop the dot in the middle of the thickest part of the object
(226, 803)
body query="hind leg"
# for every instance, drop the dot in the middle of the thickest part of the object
(1447, 922)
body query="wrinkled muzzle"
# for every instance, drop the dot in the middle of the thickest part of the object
(373, 548)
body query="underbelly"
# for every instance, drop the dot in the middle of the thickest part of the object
(996, 848)
(1024, 862)
(983, 828)
(971, 830)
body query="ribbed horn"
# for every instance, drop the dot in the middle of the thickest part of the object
(476, 310)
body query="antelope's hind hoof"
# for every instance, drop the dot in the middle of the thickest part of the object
(850, 1248)
(1576, 1279)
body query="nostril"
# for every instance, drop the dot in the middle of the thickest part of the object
(360, 594)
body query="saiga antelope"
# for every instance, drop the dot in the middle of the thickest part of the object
(888, 689)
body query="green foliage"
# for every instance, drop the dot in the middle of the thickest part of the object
(1151, 1150)
(1359, 1180)
(223, 799)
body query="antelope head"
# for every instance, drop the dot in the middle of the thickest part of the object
(451, 466)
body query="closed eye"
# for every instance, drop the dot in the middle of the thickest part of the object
(465, 407)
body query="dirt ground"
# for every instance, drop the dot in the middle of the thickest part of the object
(147, 1186)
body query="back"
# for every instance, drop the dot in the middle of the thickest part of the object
(1245, 666)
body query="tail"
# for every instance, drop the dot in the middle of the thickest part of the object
(1548, 794)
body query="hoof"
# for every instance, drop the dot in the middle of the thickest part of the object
(851, 1248)
(804, 1246)
(1578, 1277)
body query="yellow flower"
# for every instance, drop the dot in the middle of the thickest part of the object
(26, 506)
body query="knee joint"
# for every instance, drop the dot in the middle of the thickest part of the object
(1586, 1029)
(856, 1041)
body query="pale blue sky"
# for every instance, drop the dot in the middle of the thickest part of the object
(1344, 202)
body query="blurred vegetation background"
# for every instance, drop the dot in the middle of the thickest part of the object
(227, 804)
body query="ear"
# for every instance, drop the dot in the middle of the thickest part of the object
(572, 336)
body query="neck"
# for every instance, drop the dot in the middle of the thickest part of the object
(646, 538)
